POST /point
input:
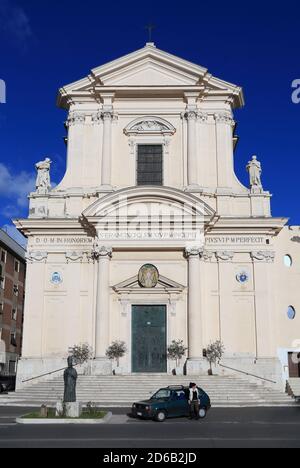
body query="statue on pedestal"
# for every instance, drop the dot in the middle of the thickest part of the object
(255, 171)
(70, 379)
(43, 184)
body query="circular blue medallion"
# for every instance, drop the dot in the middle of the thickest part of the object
(56, 278)
(242, 277)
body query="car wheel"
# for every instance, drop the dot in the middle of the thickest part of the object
(202, 413)
(160, 416)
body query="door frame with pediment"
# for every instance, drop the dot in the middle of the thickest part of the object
(167, 293)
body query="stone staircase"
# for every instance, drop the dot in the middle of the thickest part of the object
(294, 388)
(122, 391)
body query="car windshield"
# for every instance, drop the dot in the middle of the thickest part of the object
(163, 393)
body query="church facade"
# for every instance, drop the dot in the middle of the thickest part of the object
(150, 237)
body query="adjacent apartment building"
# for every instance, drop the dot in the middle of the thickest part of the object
(12, 285)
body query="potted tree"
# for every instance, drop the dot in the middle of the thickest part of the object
(81, 353)
(213, 354)
(115, 352)
(176, 351)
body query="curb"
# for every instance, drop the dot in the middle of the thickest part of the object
(104, 420)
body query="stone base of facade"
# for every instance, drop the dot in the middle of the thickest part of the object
(101, 366)
(42, 369)
(267, 371)
(196, 366)
(244, 367)
(37, 369)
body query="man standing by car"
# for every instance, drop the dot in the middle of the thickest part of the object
(194, 401)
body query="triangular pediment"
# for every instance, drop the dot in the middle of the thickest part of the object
(164, 284)
(148, 67)
(150, 72)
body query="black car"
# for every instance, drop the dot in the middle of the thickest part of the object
(7, 383)
(170, 402)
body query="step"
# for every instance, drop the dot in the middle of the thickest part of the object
(126, 389)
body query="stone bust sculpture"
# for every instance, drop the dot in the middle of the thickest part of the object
(70, 380)
(255, 170)
(43, 184)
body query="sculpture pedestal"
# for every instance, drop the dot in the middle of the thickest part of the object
(59, 409)
(73, 410)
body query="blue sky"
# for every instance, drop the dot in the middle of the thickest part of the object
(47, 44)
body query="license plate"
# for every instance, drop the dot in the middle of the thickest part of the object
(139, 414)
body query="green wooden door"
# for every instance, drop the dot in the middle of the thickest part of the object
(149, 339)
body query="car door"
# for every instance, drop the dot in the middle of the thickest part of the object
(178, 405)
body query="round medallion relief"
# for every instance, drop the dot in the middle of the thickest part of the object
(243, 277)
(148, 276)
(56, 278)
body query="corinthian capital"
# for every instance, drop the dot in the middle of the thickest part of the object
(263, 256)
(76, 118)
(96, 118)
(109, 115)
(191, 252)
(191, 115)
(194, 114)
(224, 118)
(101, 251)
(32, 256)
(206, 255)
(225, 256)
(202, 117)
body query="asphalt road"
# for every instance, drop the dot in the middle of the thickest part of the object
(249, 427)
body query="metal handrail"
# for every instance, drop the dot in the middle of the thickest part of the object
(48, 373)
(247, 373)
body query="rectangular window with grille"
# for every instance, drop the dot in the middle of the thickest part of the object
(150, 165)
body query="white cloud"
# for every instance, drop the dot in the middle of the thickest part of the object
(16, 186)
(15, 234)
(15, 23)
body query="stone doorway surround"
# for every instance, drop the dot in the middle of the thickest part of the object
(167, 292)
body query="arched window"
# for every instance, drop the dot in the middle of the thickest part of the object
(291, 313)
(288, 261)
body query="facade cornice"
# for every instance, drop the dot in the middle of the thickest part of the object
(266, 226)
(46, 226)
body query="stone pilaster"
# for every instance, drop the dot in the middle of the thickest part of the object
(108, 117)
(194, 308)
(224, 142)
(103, 255)
(191, 117)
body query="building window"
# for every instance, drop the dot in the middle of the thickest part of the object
(14, 314)
(13, 340)
(2, 278)
(1, 308)
(288, 261)
(150, 165)
(291, 312)
(17, 266)
(3, 256)
(16, 290)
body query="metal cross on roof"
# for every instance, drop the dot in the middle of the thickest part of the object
(150, 27)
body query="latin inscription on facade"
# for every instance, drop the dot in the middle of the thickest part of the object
(236, 240)
(62, 240)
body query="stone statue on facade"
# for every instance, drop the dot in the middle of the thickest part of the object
(255, 171)
(43, 184)
(70, 379)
